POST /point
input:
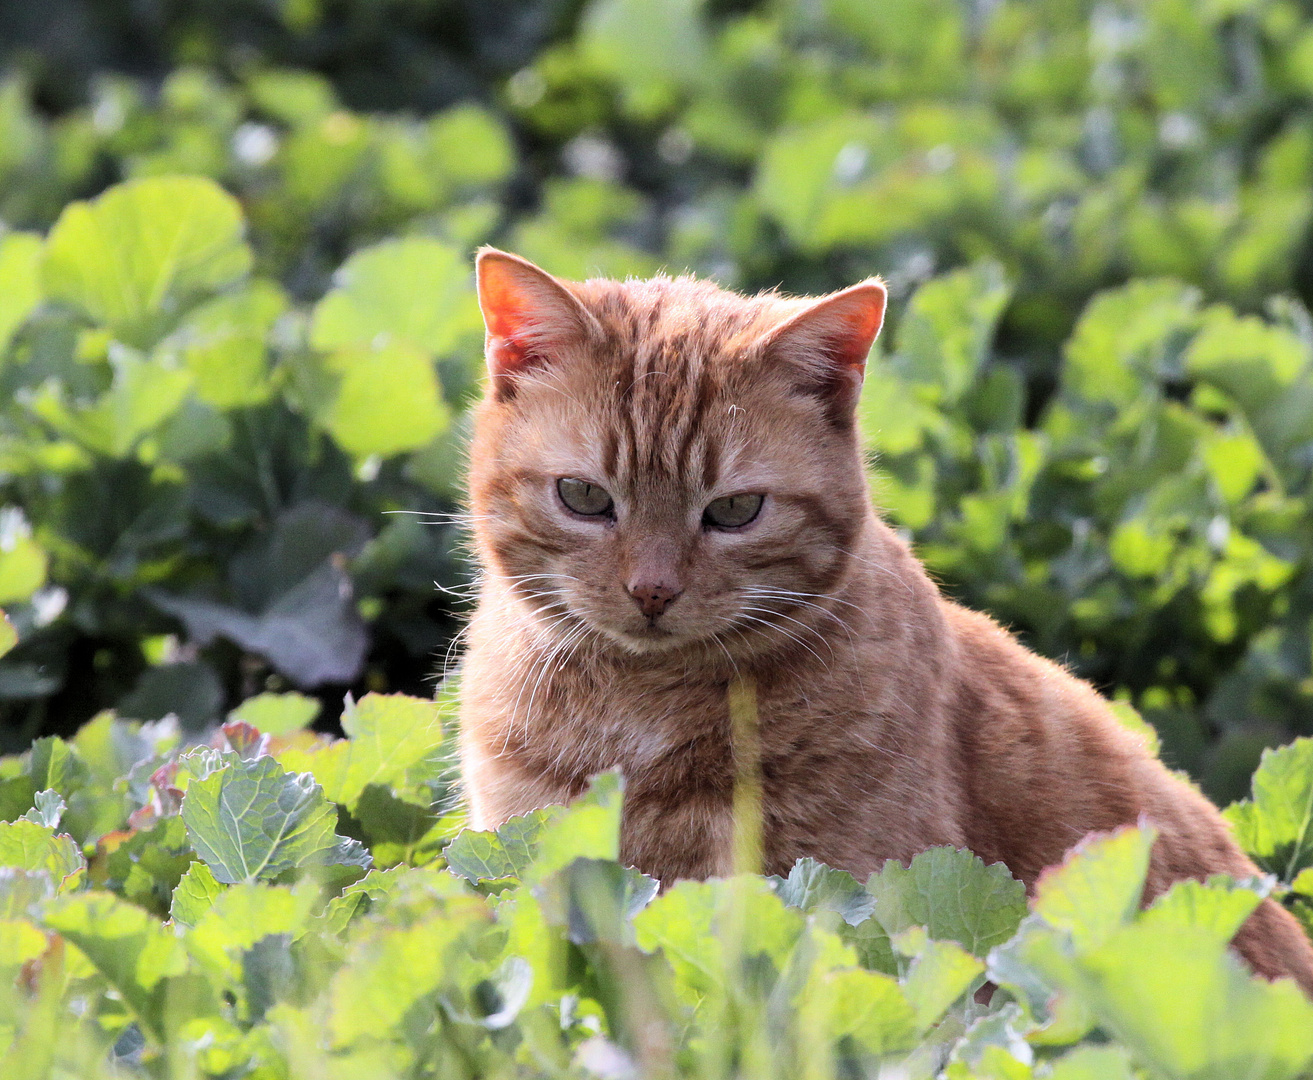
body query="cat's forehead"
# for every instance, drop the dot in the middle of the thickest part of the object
(665, 317)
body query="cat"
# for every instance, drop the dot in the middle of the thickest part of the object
(667, 492)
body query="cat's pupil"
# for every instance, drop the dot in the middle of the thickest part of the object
(731, 511)
(584, 498)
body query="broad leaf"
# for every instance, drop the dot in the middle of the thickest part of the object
(26, 845)
(195, 892)
(20, 282)
(277, 714)
(544, 841)
(408, 290)
(1219, 906)
(143, 249)
(386, 735)
(813, 886)
(953, 894)
(239, 917)
(252, 821)
(1097, 887)
(129, 947)
(1227, 1024)
(1275, 826)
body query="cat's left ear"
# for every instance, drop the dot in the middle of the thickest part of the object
(530, 316)
(828, 342)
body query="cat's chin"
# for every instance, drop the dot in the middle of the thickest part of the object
(648, 641)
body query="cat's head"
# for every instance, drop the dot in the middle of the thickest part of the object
(666, 463)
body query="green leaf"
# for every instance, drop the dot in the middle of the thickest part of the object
(1218, 906)
(387, 400)
(148, 865)
(29, 846)
(946, 332)
(1123, 337)
(506, 852)
(277, 714)
(222, 344)
(472, 147)
(195, 892)
(252, 821)
(544, 841)
(953, 894)
(866, 1006)
(1224, 1025)
(53, 763)
(141, 251)
(941, 973)
(240, 916)
(20, 282)
(386, 735)
(1275, 826)
(21, 889)
(412, 291)
(1093, 1063)
(388, 970)
(22, 571)
(1097, 887)
(143, 395)
(47, 809)
(813, 886)
(129, 946)
(701, 926)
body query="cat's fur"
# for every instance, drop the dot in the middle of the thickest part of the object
(891, 719)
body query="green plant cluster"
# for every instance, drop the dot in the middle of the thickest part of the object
(281, 905)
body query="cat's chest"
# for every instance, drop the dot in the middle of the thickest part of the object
(659, 732)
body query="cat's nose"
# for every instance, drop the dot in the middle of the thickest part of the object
(652, 599)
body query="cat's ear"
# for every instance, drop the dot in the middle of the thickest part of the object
(529, 316)
(827, 342)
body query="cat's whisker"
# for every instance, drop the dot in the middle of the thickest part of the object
(883, 569)
(791, 636)
(789, 618)
(801, 597)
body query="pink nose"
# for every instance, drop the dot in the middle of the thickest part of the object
(652, 600)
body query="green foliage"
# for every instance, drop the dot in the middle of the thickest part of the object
(217, 926)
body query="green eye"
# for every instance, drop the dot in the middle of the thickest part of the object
(585, 498)
(732, 511)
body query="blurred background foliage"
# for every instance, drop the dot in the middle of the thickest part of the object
(231, 380)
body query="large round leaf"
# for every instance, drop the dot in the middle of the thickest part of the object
(137, 254)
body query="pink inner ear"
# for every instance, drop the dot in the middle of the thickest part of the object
(836, 331)
(855, 332)
(527, 312)
(506, 317)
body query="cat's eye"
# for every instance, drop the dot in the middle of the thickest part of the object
(585, 498)
(732, 511)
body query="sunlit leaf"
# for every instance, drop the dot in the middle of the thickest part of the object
(1275, 826)
(1098, 886)
(143, 249)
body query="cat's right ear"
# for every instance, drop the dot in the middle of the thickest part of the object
(529, 316)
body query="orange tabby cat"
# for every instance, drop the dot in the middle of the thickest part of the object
(667, 490)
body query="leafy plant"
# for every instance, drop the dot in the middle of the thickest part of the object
(202, 915)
